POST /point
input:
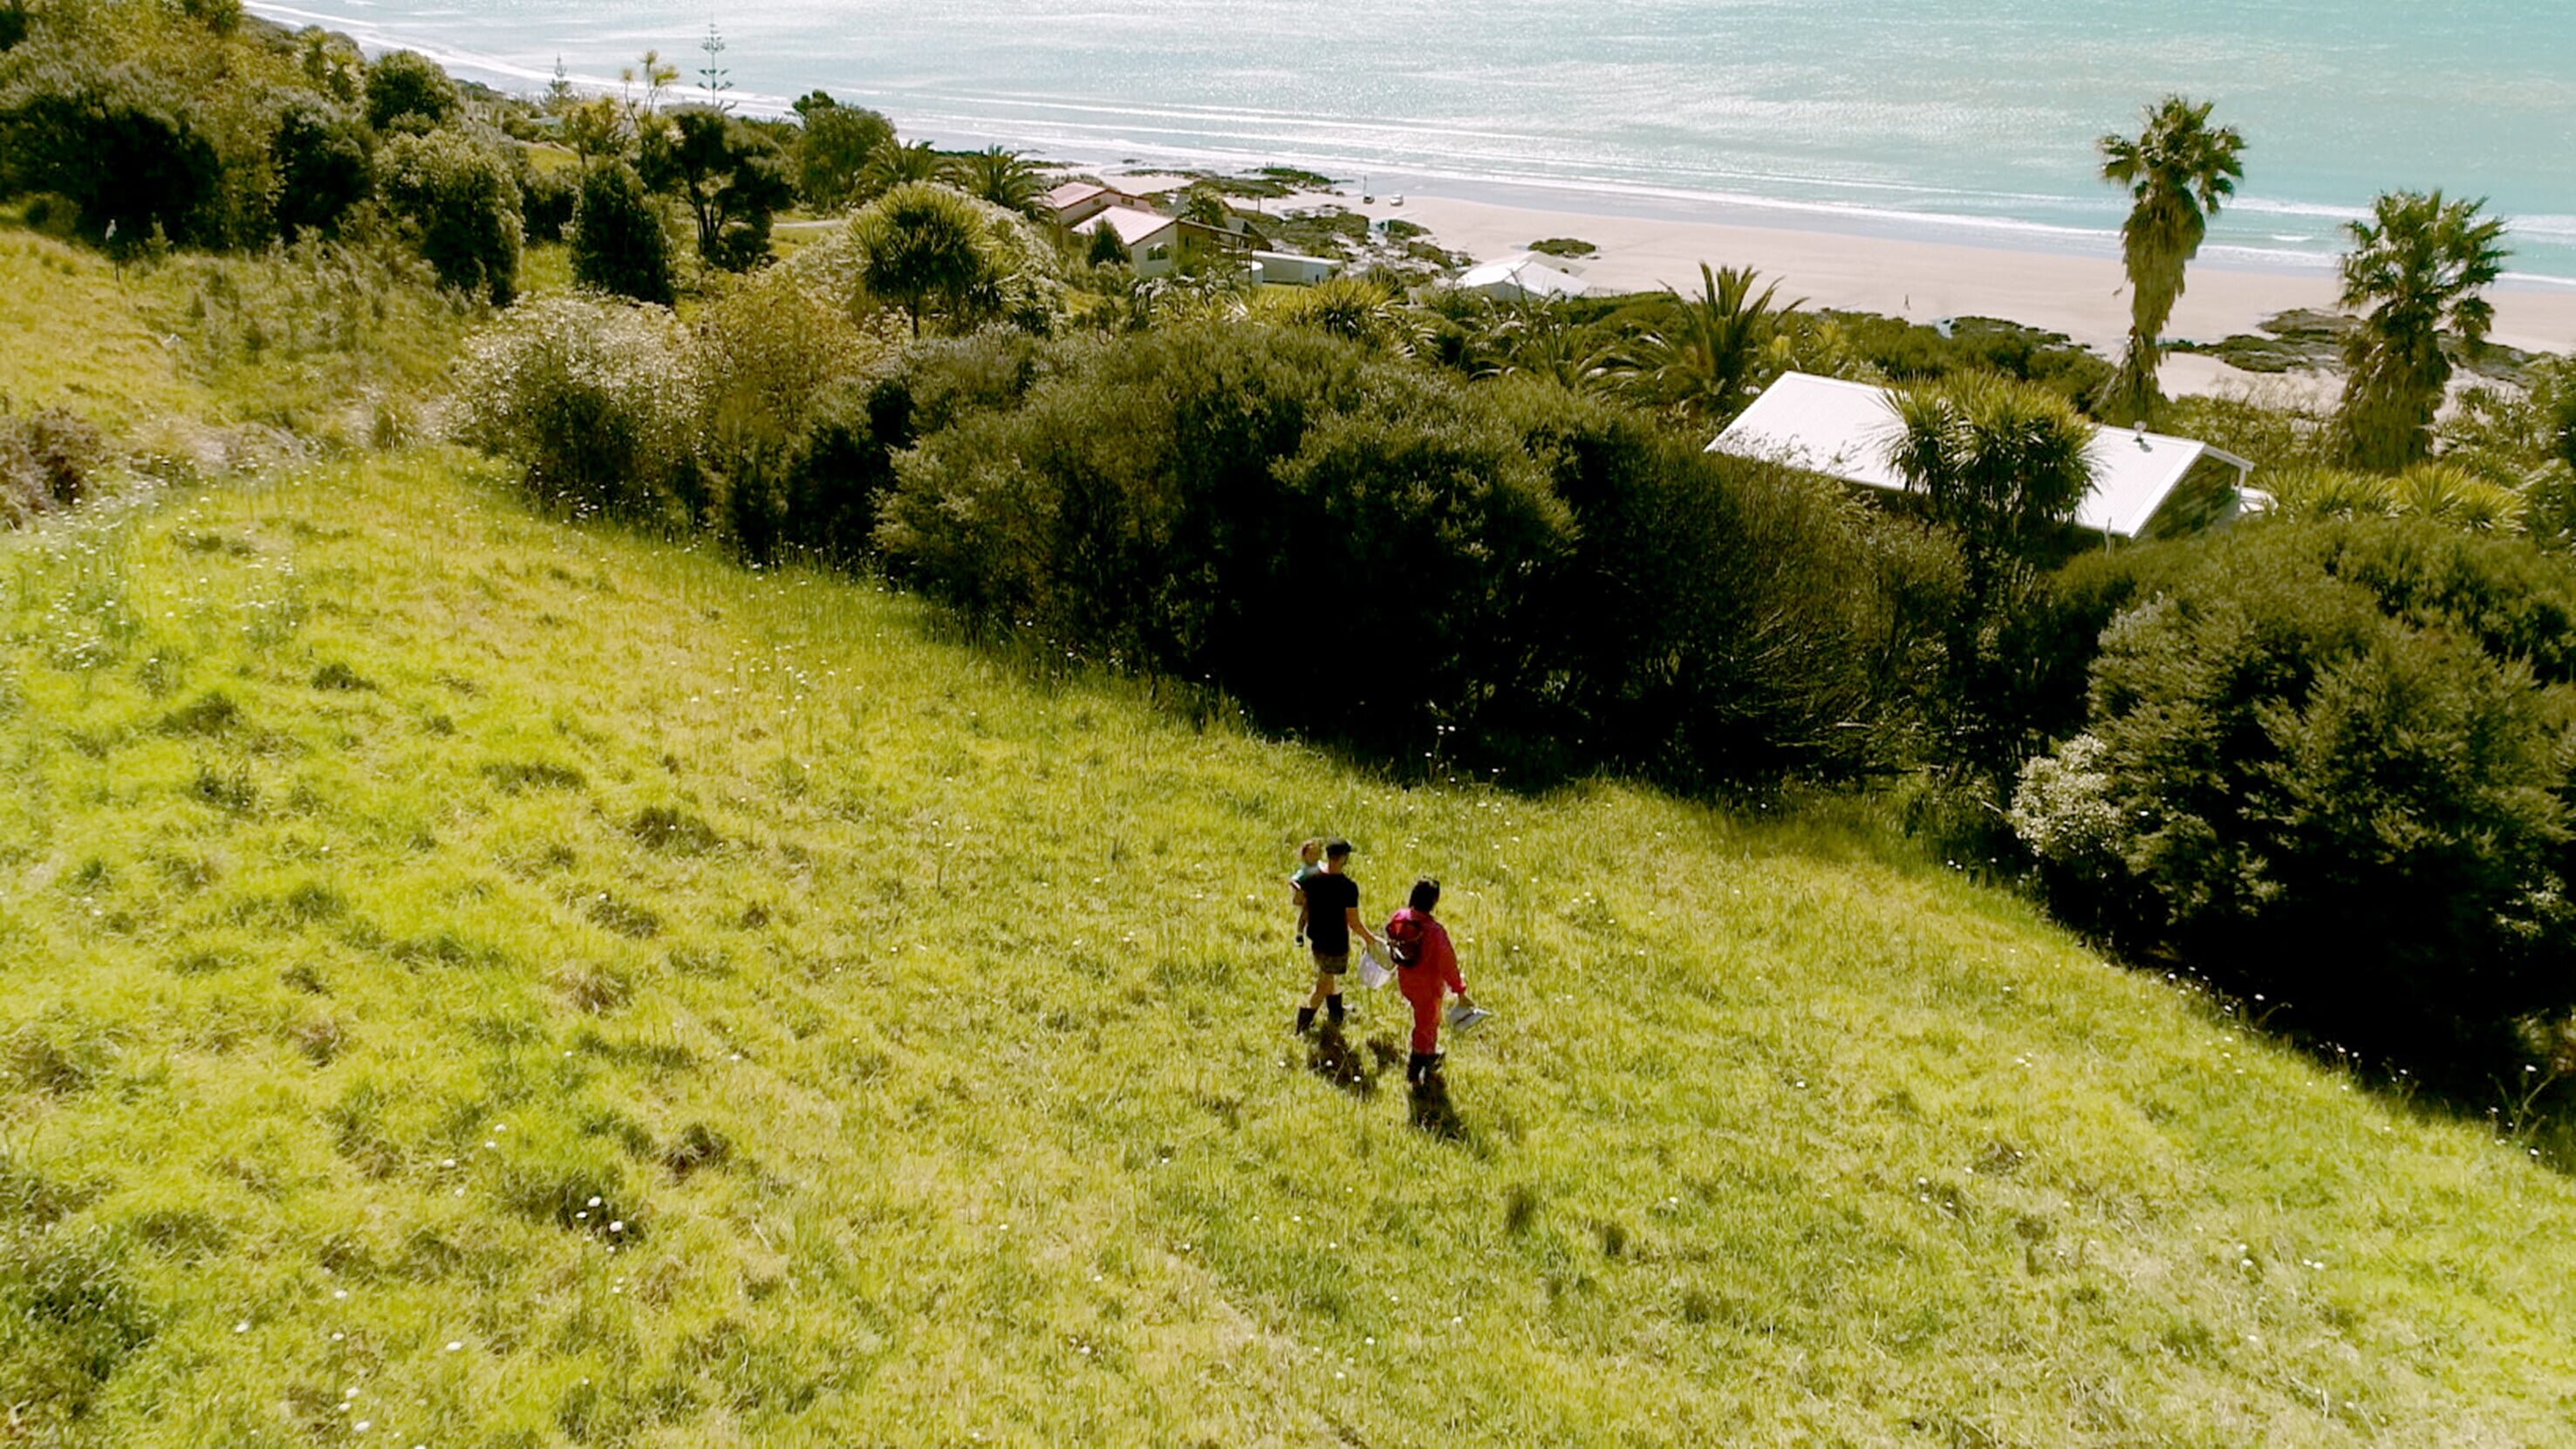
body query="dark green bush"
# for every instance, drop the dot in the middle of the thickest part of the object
(117, 141)
(458, 199)
(841, 470)
(320, 157)
(618, 245)
(1718, 619)
(547, 196)
(1341, 540)
(832, 148)
(733, 179)
(1911, 352)
(408, 93)
(2318, 761)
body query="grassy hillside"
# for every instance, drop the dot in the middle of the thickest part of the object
(99, 356)
(471, 981)
(225, 360)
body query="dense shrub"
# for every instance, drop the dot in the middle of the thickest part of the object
(47, 459)
(408, 93)
(772, 355)
(547, 196)
(2332, 764)
(832, 148)
(618, 244)
(732, 178)
(2516, 602)
(1341, 540)
(1719, 619)
(599, 401)
(320, 158)
(119, 142)
(1912, 352)
(842, 469)
(1348, 542)
(458, 198)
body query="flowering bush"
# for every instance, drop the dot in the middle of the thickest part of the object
(600, 401)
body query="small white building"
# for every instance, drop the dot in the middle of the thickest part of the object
(1521, 277)
(1289, 269)
(1845, 429)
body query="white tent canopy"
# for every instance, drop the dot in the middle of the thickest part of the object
(1844, 429)
(1521, 276)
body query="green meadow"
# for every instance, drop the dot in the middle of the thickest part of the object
(468, 979)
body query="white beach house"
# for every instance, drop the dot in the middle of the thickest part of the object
(2143, 483)
(1291, 269)
(1521, 277)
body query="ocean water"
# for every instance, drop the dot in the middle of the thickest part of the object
(1969, 120)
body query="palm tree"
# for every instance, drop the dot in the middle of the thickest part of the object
(2002, 463)
(2178, 171)
(2418, 264)
(1361, 309)
(999, 175)
(2310, 493)
(893, 164)
(1711, 361)
(1538, 337)
(2450, 494)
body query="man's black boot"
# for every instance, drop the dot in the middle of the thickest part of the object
(1305, 1019)
(1333, 1004)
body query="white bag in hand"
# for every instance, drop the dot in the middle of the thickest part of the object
(1374, 973)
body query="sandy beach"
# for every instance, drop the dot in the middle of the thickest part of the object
(2085, 297)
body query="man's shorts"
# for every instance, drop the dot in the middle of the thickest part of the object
(1336, 964)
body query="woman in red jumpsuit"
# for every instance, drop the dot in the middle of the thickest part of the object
(1425, 968)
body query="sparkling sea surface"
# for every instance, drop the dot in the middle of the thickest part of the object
(1964, 120)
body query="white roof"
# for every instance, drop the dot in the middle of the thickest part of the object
(1523, 274)
(1261, 256)
(1131, 225)
(1843, 429)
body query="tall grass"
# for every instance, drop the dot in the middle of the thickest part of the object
(499, 983)
(198, 362)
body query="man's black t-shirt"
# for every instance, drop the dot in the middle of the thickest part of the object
(1328, 896)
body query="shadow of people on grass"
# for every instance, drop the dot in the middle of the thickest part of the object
(1335, 1058)
(1434, 1112)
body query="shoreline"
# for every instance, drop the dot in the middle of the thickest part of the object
(1923, 267)
(2083, 294)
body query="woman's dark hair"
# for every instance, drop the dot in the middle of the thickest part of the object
(1426, 894)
